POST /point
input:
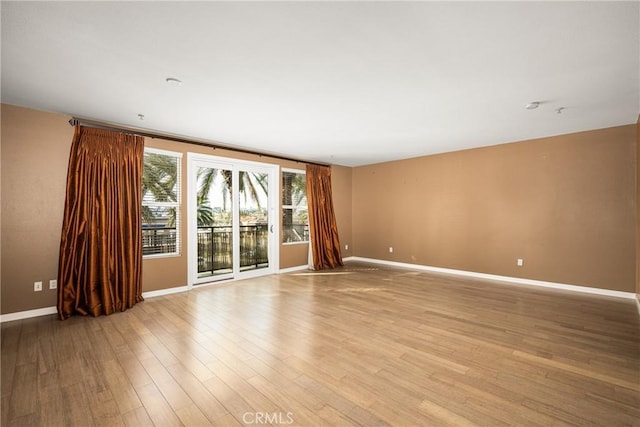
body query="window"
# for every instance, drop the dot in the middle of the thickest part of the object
(295, 215)
(161, 189)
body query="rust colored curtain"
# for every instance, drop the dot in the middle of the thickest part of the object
(325, 243)
(100, 264)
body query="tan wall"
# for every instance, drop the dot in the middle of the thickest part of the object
(341, 189)
(566, 205)
(34, 155)
(638, 209)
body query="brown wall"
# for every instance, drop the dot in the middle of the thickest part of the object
(341, 189)
(35, 153)
(565, 204)
(638, 209)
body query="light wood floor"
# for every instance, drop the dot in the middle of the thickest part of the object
(364, 346)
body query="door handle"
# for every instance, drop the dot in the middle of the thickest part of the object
(271, 228)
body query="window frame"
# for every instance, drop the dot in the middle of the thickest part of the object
(292, 207)
(177, 204)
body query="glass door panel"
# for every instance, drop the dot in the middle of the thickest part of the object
(254, 220)
(215, 221)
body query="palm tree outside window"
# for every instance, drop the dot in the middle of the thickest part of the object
(161, 199)
(295, 214)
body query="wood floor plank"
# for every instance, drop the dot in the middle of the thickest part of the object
(121, 389)
(137, 418)
(157, 407)
(365, 345)
(200, 396)
(25, 379)
(8, 357)
(402, 414)
(51, 412)
(445, 416)
(289, 407)
(75, 406)
(134, 370)
(578, 370)
(228, 421)
(168, 386)
(5, 404)
(233, 402)
(485, 398)
(27, 347)
(332, 417)
(343, 405)
(191, 415)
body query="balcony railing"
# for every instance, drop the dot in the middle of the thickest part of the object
(158, 240)
(295, 232)
(215, 247)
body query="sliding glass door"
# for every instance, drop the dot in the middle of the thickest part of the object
(214, 217)
(254, 219)
(231, 214)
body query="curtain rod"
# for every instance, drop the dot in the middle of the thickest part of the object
(101, 125)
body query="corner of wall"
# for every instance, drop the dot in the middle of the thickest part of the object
(341, 178)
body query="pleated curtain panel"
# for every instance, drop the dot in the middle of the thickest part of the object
(325, 243)
(100, 264)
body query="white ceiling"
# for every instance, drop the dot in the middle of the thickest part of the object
(348, 83)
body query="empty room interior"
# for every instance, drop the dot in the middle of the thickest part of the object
(320, 213)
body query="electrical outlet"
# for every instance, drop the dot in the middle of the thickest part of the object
(37, 286)
(53, 284)
(346, 247)
(520, 262)
(390, 249)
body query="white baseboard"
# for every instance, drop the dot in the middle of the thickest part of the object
(513, 280)
(507, 279)
(168, 291)
(27, 314)
(292, 269)
(305, 267)
(54, 310)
